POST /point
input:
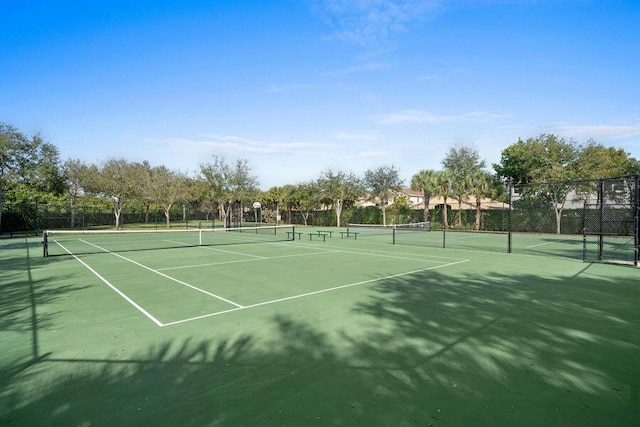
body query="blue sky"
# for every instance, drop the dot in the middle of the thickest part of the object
(297, 87)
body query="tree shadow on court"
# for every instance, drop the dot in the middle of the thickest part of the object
(20, 296)
(427, 349)
(485, 348)
(199, 383)
(21, 292)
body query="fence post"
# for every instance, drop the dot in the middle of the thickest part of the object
(584, 232)
(509, 241)
(636, 220)
(601, 222)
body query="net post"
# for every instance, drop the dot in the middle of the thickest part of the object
(393, 233)
(200, 237)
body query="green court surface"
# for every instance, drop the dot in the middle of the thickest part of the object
(342, 332)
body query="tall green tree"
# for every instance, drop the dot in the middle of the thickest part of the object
(117, 180)
(230, 183)
(29, 162)
(76, 174)
(548, 161)
(243, 185)
(146, 189)
(547, 158)
(595, 161)
(425, 181)
(462, 162)
(306, 198)
(200, 194)
(168, 188)
(339, 189)
(383, 184)
(288, 199)
(213, 175)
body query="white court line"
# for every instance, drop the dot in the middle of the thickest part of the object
(388, 256)
(365, 251)
(106, 282)
(313, 293)
(245, 260)
(549, 243)
(165, 275)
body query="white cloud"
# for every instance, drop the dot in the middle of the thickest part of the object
(432, 77)
(422, 116)
(289, 87)
(232, 144)
(357, 136)
(362, 68)
(443, 76)
(371, 23)
(372, 154)
(597, 132)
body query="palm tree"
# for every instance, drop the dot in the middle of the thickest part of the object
(273, 197)
(479, 184)
(462, 162)
(443, 189)
(425, 180)
(482, 184)
(459, 188)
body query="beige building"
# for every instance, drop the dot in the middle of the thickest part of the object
(416, 200)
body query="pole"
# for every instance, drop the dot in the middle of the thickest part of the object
(510, 234)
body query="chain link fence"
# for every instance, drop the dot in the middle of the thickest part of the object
(596, 221)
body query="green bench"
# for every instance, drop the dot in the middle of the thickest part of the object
(318, 234)
(299, 233)
(350, 233)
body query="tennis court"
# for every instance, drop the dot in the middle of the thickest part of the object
(253, 328)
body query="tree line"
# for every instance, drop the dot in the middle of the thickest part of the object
(31, 169)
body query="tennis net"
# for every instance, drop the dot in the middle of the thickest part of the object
(410, 232)
(82, 242)
(371, 229)
(388, 230)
